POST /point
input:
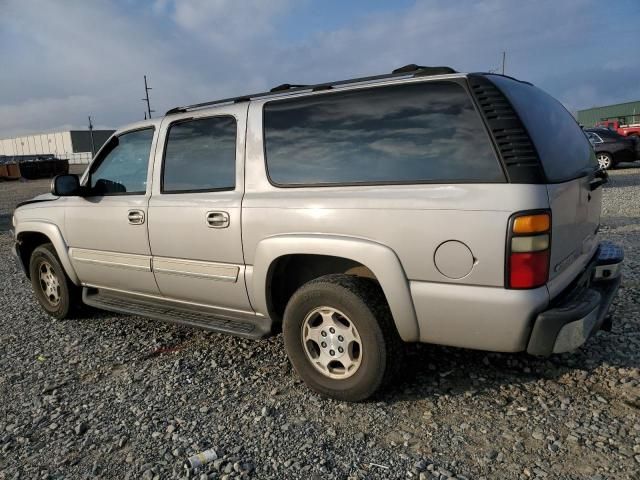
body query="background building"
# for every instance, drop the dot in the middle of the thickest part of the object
(627, 113)
(74, 145)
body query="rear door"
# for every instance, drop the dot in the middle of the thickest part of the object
(569, 165)
(195, 209)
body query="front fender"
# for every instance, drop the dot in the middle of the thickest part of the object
(381, 260)
(53, 233)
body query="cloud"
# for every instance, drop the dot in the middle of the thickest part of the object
(63, 60)
(24, 112)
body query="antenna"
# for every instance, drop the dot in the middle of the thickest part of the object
(504, 59)
(146, 98)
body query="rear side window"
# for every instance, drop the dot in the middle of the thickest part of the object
(200, 155)
(563, 148)
(411, 133)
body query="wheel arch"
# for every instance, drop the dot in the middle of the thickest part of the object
(30, 235)
(341, 252)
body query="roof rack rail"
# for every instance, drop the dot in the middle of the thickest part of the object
(422, 70)
(286, 88)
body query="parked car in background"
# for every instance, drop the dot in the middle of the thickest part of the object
(612, 148)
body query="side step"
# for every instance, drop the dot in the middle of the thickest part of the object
(232, 323)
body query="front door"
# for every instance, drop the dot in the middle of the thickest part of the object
(194, 210)
(107, 228)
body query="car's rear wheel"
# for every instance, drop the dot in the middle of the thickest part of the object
(55, 292)
(605, 161)
(340, 336)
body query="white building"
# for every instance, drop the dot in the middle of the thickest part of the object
(74, 145)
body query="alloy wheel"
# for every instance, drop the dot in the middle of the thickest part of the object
(332, 343)
(604, 160)
(49, 283)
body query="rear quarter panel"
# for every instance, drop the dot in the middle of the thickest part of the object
(412, 220)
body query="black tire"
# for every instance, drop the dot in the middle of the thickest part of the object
(362, 302)
(69, 295)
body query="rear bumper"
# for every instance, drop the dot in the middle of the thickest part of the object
(577, 314)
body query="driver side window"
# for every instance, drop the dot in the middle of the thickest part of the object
(123, 170)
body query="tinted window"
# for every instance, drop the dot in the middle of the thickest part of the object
(608, 134)
(407, 133)
(123, 167)
(200, 155)
(593, 138)
(564, 150)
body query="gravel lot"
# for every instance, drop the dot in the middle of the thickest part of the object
(116, 396)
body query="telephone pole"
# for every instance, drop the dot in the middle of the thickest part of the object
(146, 97)
(504, 59)
(93, 147)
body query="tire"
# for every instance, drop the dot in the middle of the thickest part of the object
(605, 160)
(346, 301)
(57, 295)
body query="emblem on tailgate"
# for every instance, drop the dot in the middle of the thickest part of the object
(587, 245)
(566, 261)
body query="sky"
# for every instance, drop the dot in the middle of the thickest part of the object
(62, 60)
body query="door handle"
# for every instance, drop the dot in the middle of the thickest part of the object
(217, 219)
(136, 217)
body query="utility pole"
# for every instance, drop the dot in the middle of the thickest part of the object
(504, 58)
(93, 147)
(146, 97)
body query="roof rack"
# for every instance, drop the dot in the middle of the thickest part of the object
(286, 86)
(422, 70)
(411, 70)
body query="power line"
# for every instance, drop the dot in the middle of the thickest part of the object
(497, 69)
(93, 147)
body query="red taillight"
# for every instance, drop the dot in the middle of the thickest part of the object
(528, 246)
(528, 270)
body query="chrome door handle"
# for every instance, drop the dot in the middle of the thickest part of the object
(218, 219)
(136, 217)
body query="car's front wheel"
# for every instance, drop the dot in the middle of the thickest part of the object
(605, 161)
(340, 336)
(57, 295)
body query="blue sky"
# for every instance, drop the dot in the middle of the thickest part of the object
(65, 59)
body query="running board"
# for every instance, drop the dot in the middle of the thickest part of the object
(232, 323)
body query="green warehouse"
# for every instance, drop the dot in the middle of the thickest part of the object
(626, 113)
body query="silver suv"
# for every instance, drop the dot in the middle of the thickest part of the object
(421, 206)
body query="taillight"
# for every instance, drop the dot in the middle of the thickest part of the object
(528, 247)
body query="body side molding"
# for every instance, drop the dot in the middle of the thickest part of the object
(111, 259)
(193, 268)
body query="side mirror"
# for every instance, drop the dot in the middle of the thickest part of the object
(65, 185)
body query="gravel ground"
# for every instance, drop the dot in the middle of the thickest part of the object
(116, 396)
